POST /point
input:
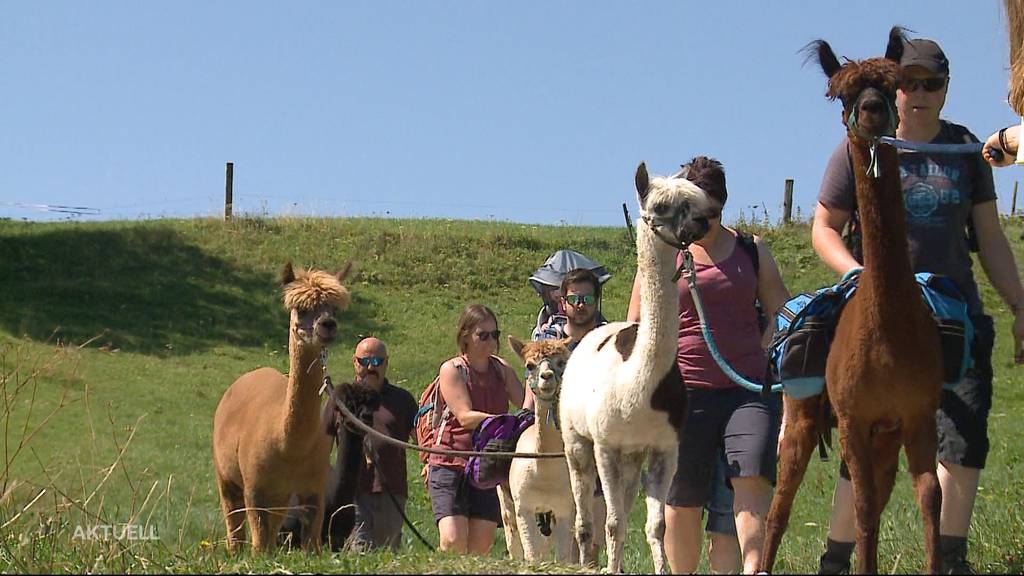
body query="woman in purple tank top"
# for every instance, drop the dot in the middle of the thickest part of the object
(727, 425)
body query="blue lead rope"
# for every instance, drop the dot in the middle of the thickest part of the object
(928, 148)
(691, 280)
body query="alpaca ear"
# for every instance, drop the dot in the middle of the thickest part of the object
(894, 49)
(826, 58)
(517, 346)
(341, 275)
(642, 182)
(287, 274)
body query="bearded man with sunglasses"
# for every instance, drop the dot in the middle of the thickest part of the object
(378, 521)
(941, 193)
(579, 302)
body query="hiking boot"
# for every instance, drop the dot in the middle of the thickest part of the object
(831, 566)
(957, 565)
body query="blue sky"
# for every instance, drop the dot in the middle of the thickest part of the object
(535, 112)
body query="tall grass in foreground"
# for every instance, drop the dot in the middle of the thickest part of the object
(117, 340)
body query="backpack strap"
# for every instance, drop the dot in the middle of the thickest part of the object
(745, 240)
(964, 135)
(440, 419)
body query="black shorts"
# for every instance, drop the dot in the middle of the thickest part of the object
(451, 494)
(721, 517)
(962, 417)
(735, 423)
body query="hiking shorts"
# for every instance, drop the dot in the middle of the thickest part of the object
(734, 422)
(962, 417)
(451, 494)
(721, 517)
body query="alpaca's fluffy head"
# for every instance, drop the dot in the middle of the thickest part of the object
(676, 209)
(867, 88)
(545, 363)
(314, 297)
(361, 400)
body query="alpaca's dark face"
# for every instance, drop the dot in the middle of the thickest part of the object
(676, 209)
(867, 88)
(362, 401)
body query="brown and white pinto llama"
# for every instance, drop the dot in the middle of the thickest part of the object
(268, 443)
(884, 370)
(623, 399)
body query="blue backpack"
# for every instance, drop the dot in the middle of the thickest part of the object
(805, 325)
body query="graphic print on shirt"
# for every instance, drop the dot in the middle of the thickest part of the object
(931, 192)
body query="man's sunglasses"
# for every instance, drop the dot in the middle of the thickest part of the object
(374, 361)
(576, 299)
(929, 84)
(485, 336)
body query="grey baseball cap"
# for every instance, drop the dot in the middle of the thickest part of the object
(925, 53)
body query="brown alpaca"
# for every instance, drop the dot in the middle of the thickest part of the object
(268, 442)
(884, 375)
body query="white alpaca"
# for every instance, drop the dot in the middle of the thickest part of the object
(538, 489)
(622, 394)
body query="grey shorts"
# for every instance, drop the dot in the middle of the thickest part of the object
(452, 495)
(962, 417)
(735, 423)
(378, 522)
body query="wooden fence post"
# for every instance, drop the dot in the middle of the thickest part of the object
(229, 177)
(1013, 207)
(787, 202)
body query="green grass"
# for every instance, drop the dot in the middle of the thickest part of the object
(140, 326)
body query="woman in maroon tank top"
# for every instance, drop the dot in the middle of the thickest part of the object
(466, 516)
(727, 425)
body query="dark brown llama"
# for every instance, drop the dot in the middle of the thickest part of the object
(884, 370)
(343, 479)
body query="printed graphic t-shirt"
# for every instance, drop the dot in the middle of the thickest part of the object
(939, 192)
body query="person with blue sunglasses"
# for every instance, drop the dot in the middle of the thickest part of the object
(378, 519)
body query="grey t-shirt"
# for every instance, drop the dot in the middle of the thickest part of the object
(939, 191)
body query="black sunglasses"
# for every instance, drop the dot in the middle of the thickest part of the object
(484, 335)
(929, 84)
(374, 361)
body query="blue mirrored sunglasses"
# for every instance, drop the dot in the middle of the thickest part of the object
(575, 299)
(374, 361)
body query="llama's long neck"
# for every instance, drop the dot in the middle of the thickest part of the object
(887, 279)
(657, 335)
(301, 425)
(549, 438)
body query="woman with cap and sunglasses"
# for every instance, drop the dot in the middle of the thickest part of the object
(474, 385)
(942, 192)
(727, 425)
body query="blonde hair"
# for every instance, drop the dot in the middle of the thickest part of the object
(312, 288)
(1015, 29)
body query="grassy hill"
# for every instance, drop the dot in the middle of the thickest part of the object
(118, 339)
